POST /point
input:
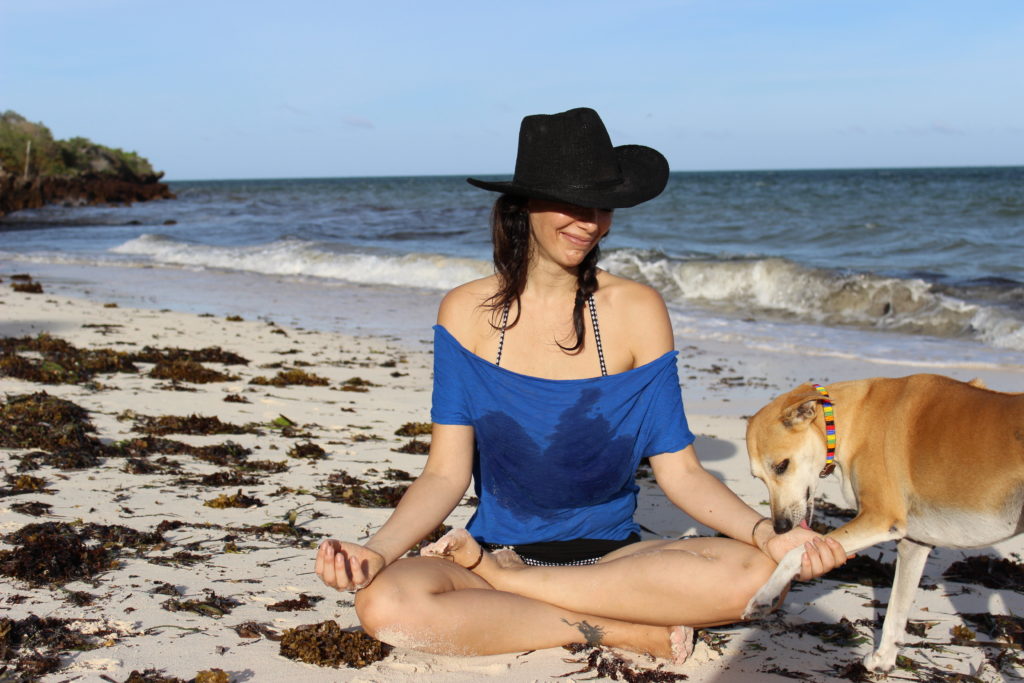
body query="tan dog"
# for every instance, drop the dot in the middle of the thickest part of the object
(927, 460)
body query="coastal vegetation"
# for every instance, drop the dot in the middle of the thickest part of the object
(36, 169)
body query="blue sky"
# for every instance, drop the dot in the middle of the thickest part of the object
(305, 89)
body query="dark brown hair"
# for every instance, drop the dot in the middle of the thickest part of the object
(510, 234)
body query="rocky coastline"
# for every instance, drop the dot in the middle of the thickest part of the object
(18, 193)
(36, 170)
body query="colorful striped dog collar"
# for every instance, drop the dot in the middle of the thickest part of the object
(830, 431)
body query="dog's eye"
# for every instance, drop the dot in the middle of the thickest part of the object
(781, 467)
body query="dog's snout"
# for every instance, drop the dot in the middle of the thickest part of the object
(782, 526)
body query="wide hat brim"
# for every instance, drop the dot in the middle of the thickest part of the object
(644, 174)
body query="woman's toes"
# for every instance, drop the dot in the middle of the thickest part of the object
(681, 639)
(506, 558)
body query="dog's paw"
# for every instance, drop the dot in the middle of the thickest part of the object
(881, 660)
(761, 604)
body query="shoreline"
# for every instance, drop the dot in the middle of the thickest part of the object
(356, 429)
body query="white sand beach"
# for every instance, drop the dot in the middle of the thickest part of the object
(376, 361)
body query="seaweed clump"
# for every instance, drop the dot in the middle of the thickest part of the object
(191, 424)
(188, 371)
(303, 602)
(357, 384)
(24, 483)
(325, 644)
(415, 429)
(56, 552)
(157, 676)
(341, 487)
(59, 362)
(1007, 628)
(42, 421)
(414, 447)
(606, 664)
(32, 645)
(32, 508)
(212, 606)
(289, 377)
(235, 500)
(991, 572)
(210, 354)
(307, 451)
(866, 571)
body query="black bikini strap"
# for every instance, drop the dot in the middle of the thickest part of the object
(501, 339)
(597, 334)
(593, 319)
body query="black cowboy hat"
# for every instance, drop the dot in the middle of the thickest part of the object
(568, 157)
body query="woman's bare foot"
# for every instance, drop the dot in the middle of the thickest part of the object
(680, 640)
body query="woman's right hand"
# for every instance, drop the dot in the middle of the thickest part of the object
(347, 566)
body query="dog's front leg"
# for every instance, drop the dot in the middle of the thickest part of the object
(863, 531)
(909, 567)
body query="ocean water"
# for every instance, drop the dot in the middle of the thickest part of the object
(916, 265)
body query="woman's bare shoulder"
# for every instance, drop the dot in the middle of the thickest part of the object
(640, 312)
(462, 308)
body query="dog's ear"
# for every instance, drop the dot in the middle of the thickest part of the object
(800, 411)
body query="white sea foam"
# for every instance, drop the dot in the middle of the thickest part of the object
(781, 289)
(299, 257)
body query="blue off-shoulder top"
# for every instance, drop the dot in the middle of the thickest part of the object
(556, 460)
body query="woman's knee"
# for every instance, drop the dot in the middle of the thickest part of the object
(401, 595)
(754, 573)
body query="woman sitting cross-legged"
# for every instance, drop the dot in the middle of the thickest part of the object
(552, 380)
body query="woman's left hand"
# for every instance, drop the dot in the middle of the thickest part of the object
(821, 553)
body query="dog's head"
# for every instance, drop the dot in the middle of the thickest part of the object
(787, 453)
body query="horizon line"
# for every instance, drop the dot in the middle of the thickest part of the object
(464, 175)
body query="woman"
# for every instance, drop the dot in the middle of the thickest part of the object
(553, 379)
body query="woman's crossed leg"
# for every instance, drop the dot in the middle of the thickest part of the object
(640, 598)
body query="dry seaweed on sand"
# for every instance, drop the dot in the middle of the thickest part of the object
(843, 633)
(307, 451)
(414, 447)
(291, 377)
(23, 483)
(57, 552)
(58, 362)
(235, 500)
(341, 487)
(235, 398)
(212, 605)
(210, 354)
(188, 371)
(64, 459)
(357, 384)
(42, 421)
(162, 465)
(227, 454)
(32, 645)
(866, 571)
(190, 424)
(415, 429)
(27, 287)
(988, 571)
(325, 644)
(32, 508)
(605, 663)
(222, 478)
(303, 602)
(252, 629)
(1004, 627)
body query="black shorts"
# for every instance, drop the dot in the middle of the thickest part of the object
(574, 553)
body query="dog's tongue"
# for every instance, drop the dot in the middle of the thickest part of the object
(804, 524)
